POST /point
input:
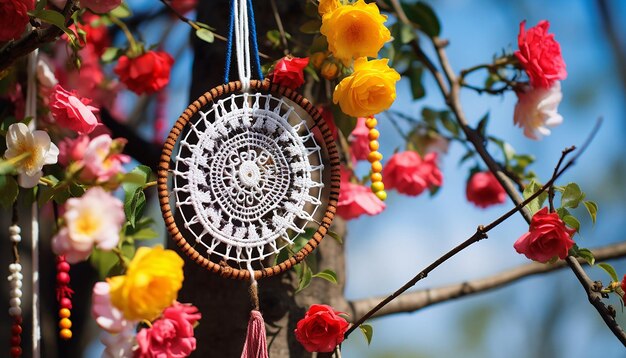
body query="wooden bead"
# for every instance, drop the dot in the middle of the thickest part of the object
(374, 145)
(373, 134)
(371, 122)
(378, 186)
(382, 195)
(377, 167)
(64, 313)
(375, 177)
(374, 157)
(65, 334)
(65, 323)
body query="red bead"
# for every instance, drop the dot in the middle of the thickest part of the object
(16, 352)
(66, 303)
(60, 258)
(63, 266)
(17, 319)
(16, 329)
(63, 278)
(16, 340)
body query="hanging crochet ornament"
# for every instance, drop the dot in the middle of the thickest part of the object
(247, 168)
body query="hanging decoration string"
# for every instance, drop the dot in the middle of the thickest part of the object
(31, 111)
(243, 27)
(15, 280)
(255, 345)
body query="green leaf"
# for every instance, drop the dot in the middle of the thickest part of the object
(121, 11)
(133, 205)
(610, 270)
(572, 222)
(41, 4)
(592, 209)
(52, 17)
(481, 128)
(328, 275)
(8, 190)
(203, 25)
(344, 122)
(448, 123)
(368, 332)
(335, 236)
(572, 196)
(305, 277)
(424, 17)
(147, 233)
(587, 255)
(536, 204)
(468, 155)
(415, 76)
(111, 54)
(311, 26)
(205, 35)
(6, 167)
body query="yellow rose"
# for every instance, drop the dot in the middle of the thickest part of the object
(325, 6)
(355, 30)
(371, 89)
(150, 285)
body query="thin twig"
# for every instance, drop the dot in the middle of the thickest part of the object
(281, 29)
(556, 169)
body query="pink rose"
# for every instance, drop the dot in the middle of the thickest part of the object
(537, 109)
(14, 17)
(72, 150)
(546, 239)
(100, 6)
(288, 71)
(623, 286)
(183, 6)
(409, 174)
(101, 161)
(107, 317)
(72, 112)
(147, 73)
(540, 55)
(356, 200)
(359, 140)
(171, 335)
(321, 329)
(484, 189)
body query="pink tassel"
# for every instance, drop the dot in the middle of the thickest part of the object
(256, 340)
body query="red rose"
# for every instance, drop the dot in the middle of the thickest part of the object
(147, 73)
(183, 6)
(623, 286)
(321, 329)
(540, 55)
(100, 6)
(72, 112)
(359, 140)
(409, 174)
(356, 200)
(288, 71)
(483, 189)
(547, 238)
(14, 17)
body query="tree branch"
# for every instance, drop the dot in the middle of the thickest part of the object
(36, 38)
(414, 301)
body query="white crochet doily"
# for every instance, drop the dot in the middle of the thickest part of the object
(250, 171)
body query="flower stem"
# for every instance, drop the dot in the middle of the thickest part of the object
(135, 48)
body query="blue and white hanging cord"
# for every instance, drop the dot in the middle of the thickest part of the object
(243, 26)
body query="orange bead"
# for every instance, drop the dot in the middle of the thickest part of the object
(376, 177)
(377, 167)
(374, 157)
(64, 313)
(65, 323)
(65, 334)
(373, 134)
(371, 122)
(374, 145)
(378, 186)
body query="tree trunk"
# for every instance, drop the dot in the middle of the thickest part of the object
(225, 303)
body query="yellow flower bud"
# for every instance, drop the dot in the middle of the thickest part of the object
(317, 59)
(329, 70)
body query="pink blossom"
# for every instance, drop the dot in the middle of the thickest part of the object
(537, 109)
(119, 345)
(409, 174)
(72, 112)
(547, 238)
(107, 317)
(359, 140)
(95, 219)
(100, 6)
(170, 336)
(483, 189)
(72, 149)
(101, 162)
(356, 199)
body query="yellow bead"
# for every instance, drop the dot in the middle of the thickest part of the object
(376, 177)
(65, 334)
(382, 195)
(371, 123)
(374, 145)
(378, 186)
(374, 157)
(65, 323)
(64, 313)
(377, 167)
(373, 134)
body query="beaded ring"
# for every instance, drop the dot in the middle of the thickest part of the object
(248, 177)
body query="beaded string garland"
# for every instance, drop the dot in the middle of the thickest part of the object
(247, 168)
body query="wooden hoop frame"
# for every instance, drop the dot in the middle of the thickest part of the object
(164, 167)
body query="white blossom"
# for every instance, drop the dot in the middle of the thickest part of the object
(537, 109)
